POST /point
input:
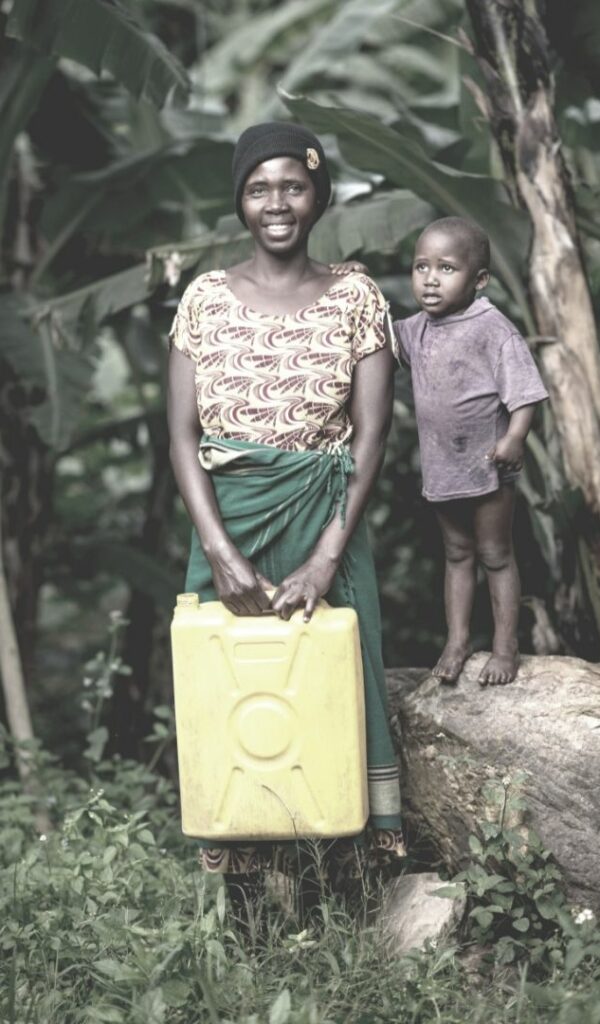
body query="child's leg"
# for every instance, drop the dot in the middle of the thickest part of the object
(456, 522)
(493, 534)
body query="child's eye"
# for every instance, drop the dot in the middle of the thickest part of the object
(447, 268)
(420, 267)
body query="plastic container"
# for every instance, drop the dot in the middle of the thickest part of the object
(270, 723)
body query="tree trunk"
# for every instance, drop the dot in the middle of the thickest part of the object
(13, 683)
(128, 718)
(513, 53)
(457, 742)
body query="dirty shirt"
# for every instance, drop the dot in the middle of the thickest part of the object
(469, 371)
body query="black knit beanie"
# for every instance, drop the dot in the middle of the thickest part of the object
(277, 138)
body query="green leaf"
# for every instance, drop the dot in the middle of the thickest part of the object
(482, 916)
(229, 244)
(449, 892)
(51, 346)
(281, 1008)
(230, 59)
(100, 299)
(378, 224)
(547, 908)
(368, 144)
(97, 741)
(117, 971)
(574, 955)
(475, 846)
(104, 1015)
(139, 570)
(103, 36)
(118, 201)
(342, 35)
(521, 924)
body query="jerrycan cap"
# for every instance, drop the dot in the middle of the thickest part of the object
(188, 601)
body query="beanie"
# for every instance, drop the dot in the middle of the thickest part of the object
(278, 138)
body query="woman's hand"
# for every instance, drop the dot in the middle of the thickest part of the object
(304, 586)
(239, 585)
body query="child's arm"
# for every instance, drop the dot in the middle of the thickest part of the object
(508, 451)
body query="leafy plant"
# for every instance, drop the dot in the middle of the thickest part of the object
(103, 36)
(518, 908)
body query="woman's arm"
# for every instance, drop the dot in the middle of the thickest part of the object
(238, 584)
(370, 412)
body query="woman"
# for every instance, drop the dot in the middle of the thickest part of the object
(284, 370)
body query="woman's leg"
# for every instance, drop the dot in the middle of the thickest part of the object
(456, 523)
(247, 898)
(493, 520)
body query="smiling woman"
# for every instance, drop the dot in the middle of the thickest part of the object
(287, 369)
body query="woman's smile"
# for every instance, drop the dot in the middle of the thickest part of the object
(279, 229)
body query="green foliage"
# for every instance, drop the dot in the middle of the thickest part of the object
(518, 908)
(102, 36)
(108, 919)
(371, 145)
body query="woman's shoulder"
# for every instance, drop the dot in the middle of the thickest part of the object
(361, 289)
(203, 286)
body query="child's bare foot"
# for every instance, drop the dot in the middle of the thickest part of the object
(451, 661)
(499, 669)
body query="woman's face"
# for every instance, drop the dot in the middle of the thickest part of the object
(279, 204)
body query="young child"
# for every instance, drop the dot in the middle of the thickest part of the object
(475, 387)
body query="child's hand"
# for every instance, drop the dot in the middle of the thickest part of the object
(348, 267)
(508, 452)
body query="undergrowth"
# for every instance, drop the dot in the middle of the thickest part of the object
(107, 919)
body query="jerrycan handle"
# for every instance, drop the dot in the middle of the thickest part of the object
(271, 594)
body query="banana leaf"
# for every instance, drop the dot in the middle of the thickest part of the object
(369, 226)
(140, 571)
(54, 375)
(224, 66)
(343, 34)
(119, 200)
(370, 145)
(103, 35)
(375, 225)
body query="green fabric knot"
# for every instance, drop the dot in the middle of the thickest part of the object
(342, 467)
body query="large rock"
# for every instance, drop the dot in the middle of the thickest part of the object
(453, 740)
(412, 915)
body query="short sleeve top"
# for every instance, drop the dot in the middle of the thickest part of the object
(469, 372)
(278, 379)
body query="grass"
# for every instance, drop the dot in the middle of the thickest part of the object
(108, 920)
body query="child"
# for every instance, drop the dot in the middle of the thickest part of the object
(476, 387)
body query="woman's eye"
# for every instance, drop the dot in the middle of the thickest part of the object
(258, 190)
(295, 189)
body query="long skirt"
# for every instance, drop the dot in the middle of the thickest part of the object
(274, 505)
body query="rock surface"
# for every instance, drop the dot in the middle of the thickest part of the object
(411, 914)
(453, 740)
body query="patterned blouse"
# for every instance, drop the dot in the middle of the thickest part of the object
(278, 379)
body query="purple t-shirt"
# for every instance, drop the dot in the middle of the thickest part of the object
(469, 372)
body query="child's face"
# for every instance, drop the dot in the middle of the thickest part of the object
(445, 277)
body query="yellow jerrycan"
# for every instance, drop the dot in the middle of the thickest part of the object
(270, 723)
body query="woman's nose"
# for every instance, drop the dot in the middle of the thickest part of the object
(277, 199)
